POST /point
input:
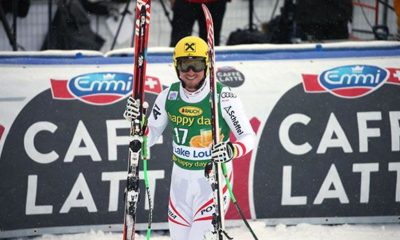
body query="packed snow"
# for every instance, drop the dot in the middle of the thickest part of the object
(279, 232)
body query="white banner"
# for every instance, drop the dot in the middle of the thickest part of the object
(327, 119)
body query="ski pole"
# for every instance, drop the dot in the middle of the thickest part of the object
(146, 157)
(228, 184)
(146, 183)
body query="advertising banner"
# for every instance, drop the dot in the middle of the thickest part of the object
(328, 139)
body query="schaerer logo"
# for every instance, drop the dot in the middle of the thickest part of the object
(190, 111)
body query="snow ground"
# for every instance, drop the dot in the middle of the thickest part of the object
(279, 232)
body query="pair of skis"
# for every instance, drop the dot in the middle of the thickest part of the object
(216, 172)
(138, 148)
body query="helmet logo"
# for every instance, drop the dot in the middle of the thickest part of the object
(190, 47)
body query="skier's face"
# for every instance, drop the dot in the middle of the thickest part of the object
(192, 73)
(191, 79)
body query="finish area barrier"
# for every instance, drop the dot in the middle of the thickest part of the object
(327, 119)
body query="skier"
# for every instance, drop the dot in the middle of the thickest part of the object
(185, 105)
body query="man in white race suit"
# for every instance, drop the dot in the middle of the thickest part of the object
(185, 106)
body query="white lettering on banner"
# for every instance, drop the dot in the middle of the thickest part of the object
(80, 188)
(395, 167)
(82, 135)
(80, 195)
(113, 139)
(230, 76)
(82, 81)
(31, 208)
(82, 143)
(364, 132)
(116, 177)
(333, 128)
(85, 84)
(29, 143)
(365, 169)
(332, 178)
(332, 186)
(395, 128)
(287, 198)
(285, 138)
(335, 78)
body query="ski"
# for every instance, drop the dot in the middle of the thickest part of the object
(137, 147)
(214, 170)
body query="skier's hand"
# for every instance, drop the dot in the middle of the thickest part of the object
(222, 152)
(132, 109)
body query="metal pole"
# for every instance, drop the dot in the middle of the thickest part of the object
(385, 12)
(15, 9)
(126, 10)
(7, 29)
(251, 8)
(50, 19)
(376, 12)
(166, 11)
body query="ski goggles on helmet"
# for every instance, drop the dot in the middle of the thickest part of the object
(196, 64)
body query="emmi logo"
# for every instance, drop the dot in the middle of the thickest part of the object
(101, 88)
(190, 111)
(353, 80)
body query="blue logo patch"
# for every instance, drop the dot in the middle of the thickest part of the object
(353, 80)
(101, 88)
